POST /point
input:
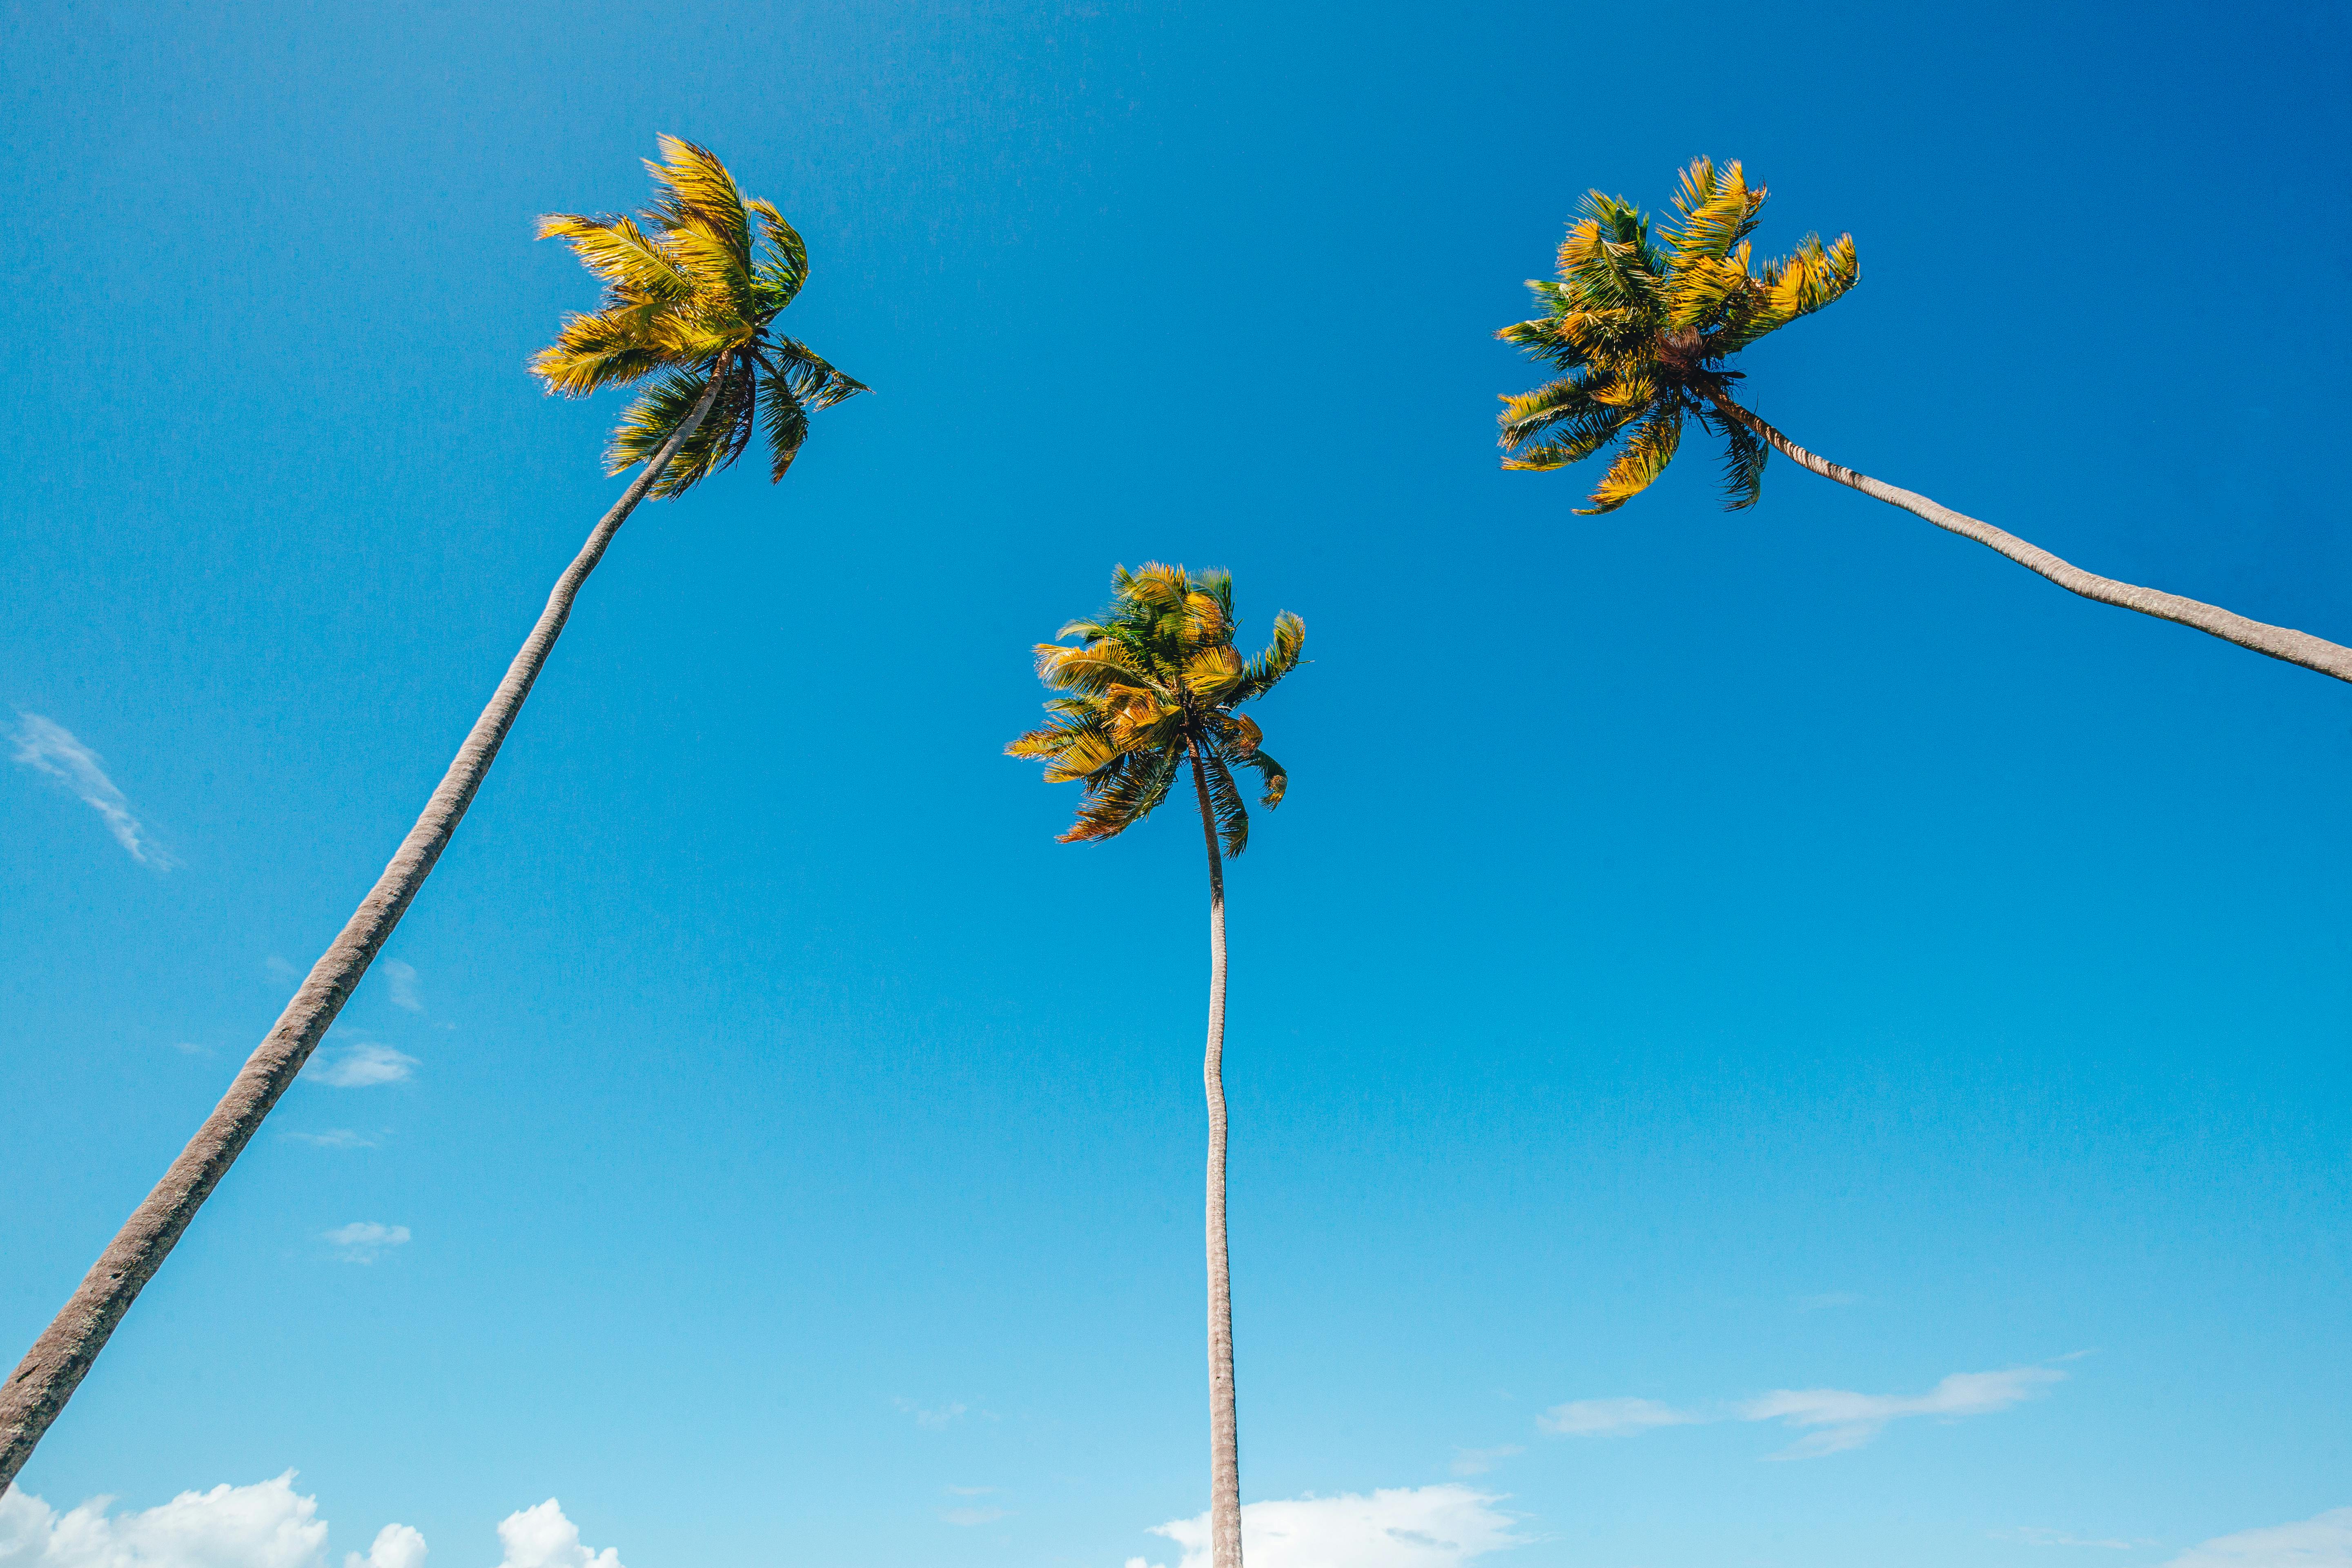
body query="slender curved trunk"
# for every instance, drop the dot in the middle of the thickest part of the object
(38, 1390)
(2278, 642)
(1224, 1436)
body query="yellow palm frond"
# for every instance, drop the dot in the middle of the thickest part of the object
(622, 254)
(1645, 456)
(696, 184)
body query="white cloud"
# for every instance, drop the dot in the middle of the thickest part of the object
(399, 986)
(1479, 1461)
(971, 1516)
(2324, 1541)
(541, 1537)
(360, 1065)
(333, 1138)
(266, 1525)
(50, 749)
(1399, 1527)
(1604, 1417)
(396, 1546)
(363, 1241)
(1848, 1420)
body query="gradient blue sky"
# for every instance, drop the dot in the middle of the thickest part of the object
(1701, 955)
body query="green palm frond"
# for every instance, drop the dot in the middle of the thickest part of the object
(1226, 802)
(692, 293)
(1643, 317)
(1150, 687)
(787, 419)
(1743, 466)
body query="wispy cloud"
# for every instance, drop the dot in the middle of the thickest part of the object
(933, 1420)
(333, 1138)
(2324, 1541)
(49, 749)
(1445, 1526)
(1479, 1461)
(1847, 1420)
(364, 1241)
(1610, 1417)
(360, 1065)
(2035, 1535)
(1826, 1301)
(399, 986)
(1833, 1419)
(968, 1517)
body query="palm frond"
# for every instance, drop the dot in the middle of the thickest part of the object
(607, 349)
(1571, 422)
(1645, 456)
(1718, 210)
(1275, 783)
(1281, 657)
(1743, 466)
(623, 254)
(1226, 802)
(787, 422)
(812, 378)
(695, 189)
(1123, 794)
(785, 268)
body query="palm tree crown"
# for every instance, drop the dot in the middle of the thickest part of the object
(1154, 681)
(690, 292)
(1642, 317)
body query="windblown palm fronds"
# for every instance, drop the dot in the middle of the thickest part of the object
(1642, 317)
(1152, 683)
(692, 287)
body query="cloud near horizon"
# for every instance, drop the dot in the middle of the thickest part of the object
(1833, 1419)
(1441, 1526)
(51, 750)
(2323, 1541)
(266, 1525)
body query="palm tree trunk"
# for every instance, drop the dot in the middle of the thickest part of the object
(1224, 1436)
(2278, 642)
(38, 1390)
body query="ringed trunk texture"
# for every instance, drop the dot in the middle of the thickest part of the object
(2278, 642)
(38, 1390)
(1225, 1435)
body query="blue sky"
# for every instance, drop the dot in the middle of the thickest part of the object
(1726, 962)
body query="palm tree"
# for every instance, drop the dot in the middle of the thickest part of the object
(689, 294)
(1151, 687)
(1642, 318)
